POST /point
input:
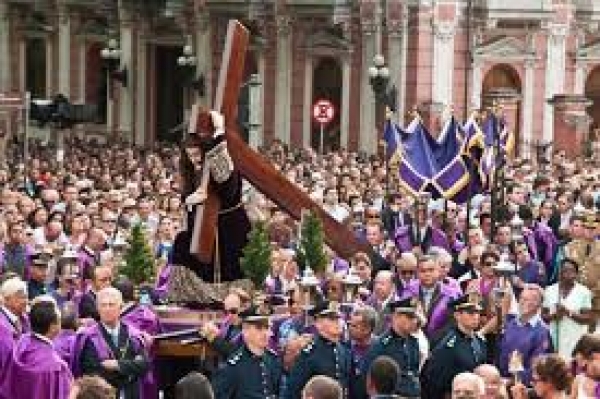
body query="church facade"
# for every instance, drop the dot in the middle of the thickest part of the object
(439, 52)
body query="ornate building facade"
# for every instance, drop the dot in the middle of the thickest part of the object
(438, 52)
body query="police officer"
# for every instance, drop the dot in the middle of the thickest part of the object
(324, 355)
(252, 371)
(460, 350)
(399, 344)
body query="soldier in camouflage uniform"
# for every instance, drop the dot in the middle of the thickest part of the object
(586, 252)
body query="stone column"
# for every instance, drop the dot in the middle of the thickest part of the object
(345, 105)
(283, 84)
(580, 74)
(443, 62)
(307, 102)
(527, 129)
(367, 140)
(260, 129)
(49, 66)
(555, 73)
(476, 83)
(203, 54)
(140, 137)
(64, 51)
(397, 64)
(82, 59)
(22, 63)
(4, 48)
(126, 93)
(571, 122)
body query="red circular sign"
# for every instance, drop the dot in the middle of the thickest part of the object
(323, 111)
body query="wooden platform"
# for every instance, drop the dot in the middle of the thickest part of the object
(201, 350)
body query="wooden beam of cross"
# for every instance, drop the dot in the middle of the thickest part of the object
(253, 167)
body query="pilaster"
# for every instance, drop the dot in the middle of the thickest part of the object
(555, 73)
(443, 61)
(283, 84)
(307, 103)
(204, 56)
(5, 75)
(528, 92)
(126, 93)
(64, 50)
(367, 139)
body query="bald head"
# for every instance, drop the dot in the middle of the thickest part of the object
(467, 386)
(322, 387)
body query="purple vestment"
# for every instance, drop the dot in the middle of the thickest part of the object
(86, 261)
(406, 240)
(37, 371)
(147, 384)
(161, 289)
(529, 340)
(142, 318)
(437, 313)
(64, 344)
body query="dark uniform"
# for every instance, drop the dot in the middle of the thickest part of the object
(455, 353)
(404, 350)
(249, 376)
(246, 375)
(321, 357)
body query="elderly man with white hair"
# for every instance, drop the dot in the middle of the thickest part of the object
(35, 360)
(113, 350)
(468, 386)
(13, 320)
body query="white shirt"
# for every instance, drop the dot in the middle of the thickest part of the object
(39, 238)
(566, 332)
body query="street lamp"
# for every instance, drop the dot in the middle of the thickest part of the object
(187, 61)
(379, 78)
(112, 56)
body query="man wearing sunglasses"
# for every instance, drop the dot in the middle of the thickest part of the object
(459, 351)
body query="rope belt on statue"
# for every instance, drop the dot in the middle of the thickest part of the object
(229, 210)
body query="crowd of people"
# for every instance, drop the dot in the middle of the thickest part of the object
(455, 300)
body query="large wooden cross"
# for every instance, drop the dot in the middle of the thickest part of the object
(253, 167)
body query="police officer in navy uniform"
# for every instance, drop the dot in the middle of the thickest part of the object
(400, 345)
(460, 350)
(324, 355)
(253, 371)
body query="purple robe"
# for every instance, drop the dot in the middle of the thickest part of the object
(86, 262)
(529, 340)
(142, 318)
(37, 371)
(64, 344)
(93, 333)
(406, 240)
(438, 312)
(542, 243)
(161, 289)
(8, 338)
